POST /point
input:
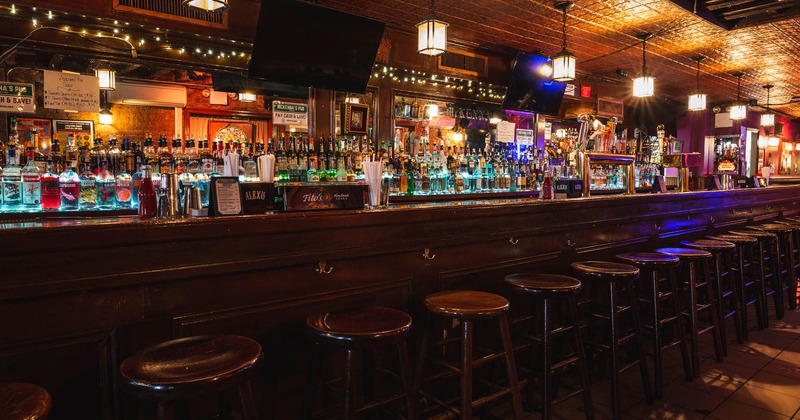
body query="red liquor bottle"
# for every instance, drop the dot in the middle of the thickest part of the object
(547, 187)
(147, 195)
(51, 193)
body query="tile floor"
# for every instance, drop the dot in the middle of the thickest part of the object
(758, 380)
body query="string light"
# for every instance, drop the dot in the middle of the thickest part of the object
(488, 92)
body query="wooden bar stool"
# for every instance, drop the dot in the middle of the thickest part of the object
(795, 246)
(690, 258)
(546, 289)
(21, 401)
(467, 306)
(785, 252)
(616, 276)
(361, 330)
(192, 367)
(766, 270)
(726, 297)
(750, 288)
(656, 266)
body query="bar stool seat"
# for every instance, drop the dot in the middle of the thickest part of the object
(21, 401)
(726, 297)
(361, 330)
(469, 306)
(686, 253)
(604, 270)
(373, 325)
(547, 288)
(655, 264)
(191, 367)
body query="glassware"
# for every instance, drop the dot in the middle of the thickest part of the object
(105, 184)
(51, 194)
(31, 182)
(69, 186)
(147, 195)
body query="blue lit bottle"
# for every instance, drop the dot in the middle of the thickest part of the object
(106, 188)
(12, 181)
(69, 185)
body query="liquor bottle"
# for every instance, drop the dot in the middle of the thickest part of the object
(31, 182)
(97, 155)
(51, 194)
(123, 189)
(150, 154)
(250, 168)
(88, 193)
(106, 188)
(312, 155)
(282, 162)
(178, 156)
(56, 157)
(69, 187)
(70, 152)
(39, 159)
(411, 178)
(331, 158)
(114, 154)
(547, 187)
(147, 195)
(12, 180)
(322, 162)
(207, 159)
(341, 172)
(139, 157)
(164, 156)
(192, 157)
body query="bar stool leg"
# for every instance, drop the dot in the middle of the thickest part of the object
(742, 301)
(616, 409)
(637, 325)
(676, 307)
(247, 401)
(734, 297)
(165, 410)
(405, 376)
(349, 385)
(715, 317)
(582, 366)
(693, 319)
(719, 301)
(761, 274)
(466, 370)
(791, 274)
(511, 366)
(777, 279)
(311, 384)
(547, 347)
(657, 339)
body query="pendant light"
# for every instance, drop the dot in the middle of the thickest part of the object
(107, 77)
(768, 118)
(432, 34)
(738, 110)
(643, 86)
(697, 101)
(564, 62)
(210, 6)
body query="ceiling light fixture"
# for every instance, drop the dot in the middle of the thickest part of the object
(697, 100)
(210, 6)
(432, 34)
(247, 97)
(768, 118)
(738, 110)
(564, 62)
(643, 86)
(107, 77)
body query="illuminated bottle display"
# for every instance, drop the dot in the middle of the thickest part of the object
(31, 182)
(51, 194)
(70, 188)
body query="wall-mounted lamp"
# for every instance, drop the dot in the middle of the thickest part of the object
(247, 97)
(106, 76)
(105, 117)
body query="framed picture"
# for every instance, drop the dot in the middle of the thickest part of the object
(231, 131)
(28, 126)
(355, 118)
(82, 130)
(609, 107)
(677, 146)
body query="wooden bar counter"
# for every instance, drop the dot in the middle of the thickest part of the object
(78, 296)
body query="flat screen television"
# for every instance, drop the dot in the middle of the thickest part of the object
(304, 44)
(531, 91)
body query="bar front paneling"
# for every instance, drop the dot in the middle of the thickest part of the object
(80, 296)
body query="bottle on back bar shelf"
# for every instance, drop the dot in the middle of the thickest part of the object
(97, 155)
(123, 189)
(547, 187)
(12, 180)
(88, 192)
(178, 156)
(106, 186)
(149, 151)
(56, 157)
(114, 158)
(70, 152)
(51, 194)
(31, 183)
(147, 195)
(192, 157)
(69, 186)
(164, 156)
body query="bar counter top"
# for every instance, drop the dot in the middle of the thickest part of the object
(77, 296)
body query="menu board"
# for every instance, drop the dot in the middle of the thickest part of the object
(69, 91)
(82, 130)
(225, 197)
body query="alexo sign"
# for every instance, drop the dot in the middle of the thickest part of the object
(17, 97)
(289, 113)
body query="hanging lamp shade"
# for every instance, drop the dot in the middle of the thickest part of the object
(644, 85)
(107, 77)
(768, 118)
(697, 100)
(564, 62)
(738, 110)
(432, 36)
(210, 6)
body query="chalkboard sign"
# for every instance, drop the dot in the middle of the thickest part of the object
(225, 196)
(257, 197)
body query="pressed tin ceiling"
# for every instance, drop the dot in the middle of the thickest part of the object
(602, 34)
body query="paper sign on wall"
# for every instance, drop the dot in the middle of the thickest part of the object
(287, 113)
(524, 137)
(17, 97)
(71, 91)
(505, 132)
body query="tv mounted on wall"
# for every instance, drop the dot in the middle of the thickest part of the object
(530, 89)
(304, 44)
